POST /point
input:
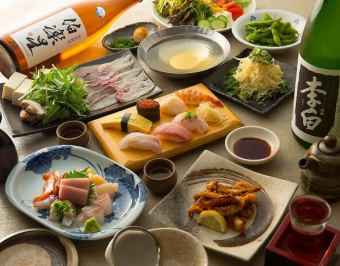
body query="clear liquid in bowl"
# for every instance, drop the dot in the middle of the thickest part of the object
(183, 56)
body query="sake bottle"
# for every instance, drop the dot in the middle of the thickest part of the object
(316, 111)
(65, 30)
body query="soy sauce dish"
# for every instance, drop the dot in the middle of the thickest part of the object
(252, 145)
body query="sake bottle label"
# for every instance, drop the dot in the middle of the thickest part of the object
(50, 36)
(316, 102)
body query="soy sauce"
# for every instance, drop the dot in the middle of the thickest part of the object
(252, 148)
(72, 133)
(159, 172)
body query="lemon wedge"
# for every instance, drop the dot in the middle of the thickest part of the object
(213, 220)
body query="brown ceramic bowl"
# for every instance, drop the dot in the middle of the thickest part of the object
(160, 175)
(72, 133)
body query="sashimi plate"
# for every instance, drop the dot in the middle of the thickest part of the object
(18, 128)
(273, 199)
(25, 182)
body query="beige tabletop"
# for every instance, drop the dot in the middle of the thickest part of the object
(284, 166)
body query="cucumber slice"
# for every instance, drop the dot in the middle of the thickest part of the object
(217, 24)
(211, 18)
(204, 24)
(224, 18)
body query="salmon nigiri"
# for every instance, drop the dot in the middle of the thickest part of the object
(195, 97)
(173, 132)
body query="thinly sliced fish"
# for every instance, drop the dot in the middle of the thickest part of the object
(103, 101)
(134, 92)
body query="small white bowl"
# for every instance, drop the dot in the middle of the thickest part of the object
(297, 21)
(252, 132)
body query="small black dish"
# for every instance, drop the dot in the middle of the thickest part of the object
(127, 31)
(215, 80)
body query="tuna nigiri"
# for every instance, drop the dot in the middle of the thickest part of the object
(140, 141)
(192, 122)
(195, 97)
(173, 132)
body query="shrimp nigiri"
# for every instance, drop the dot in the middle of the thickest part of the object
(195, 97)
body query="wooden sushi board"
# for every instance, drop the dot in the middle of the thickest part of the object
(135, 159)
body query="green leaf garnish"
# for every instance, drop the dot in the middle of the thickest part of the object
(77, 174)
(261, 56)
(190, 115)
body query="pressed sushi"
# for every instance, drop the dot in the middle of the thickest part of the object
(173, 132)
(140, 141)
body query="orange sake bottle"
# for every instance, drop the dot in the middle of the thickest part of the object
(66, 31)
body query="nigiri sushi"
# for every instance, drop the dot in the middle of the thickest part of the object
(172, 105)
(140, 141)
(173, 132)
(192, 122)
(210, 114)
(195, 97)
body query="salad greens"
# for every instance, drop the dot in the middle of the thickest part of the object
(60, 93)
(62, 208)
(232, 86)
(122, 42)
(243, 3)
(183, 12)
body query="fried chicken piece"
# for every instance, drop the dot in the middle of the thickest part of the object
(238, 224)
(238, 189)
(207, 194)
(194, 208)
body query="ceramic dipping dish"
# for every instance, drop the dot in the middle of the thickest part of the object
(255, 134)
(39, 247)
(72, 133)
(160, 175)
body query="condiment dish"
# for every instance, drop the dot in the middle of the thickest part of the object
(160, 175)
(257, 134)
(127, 31)
(297, 21)
(72, 133)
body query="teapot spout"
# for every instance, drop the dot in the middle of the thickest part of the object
(304, 163)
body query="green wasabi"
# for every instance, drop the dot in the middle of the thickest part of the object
(91, 226)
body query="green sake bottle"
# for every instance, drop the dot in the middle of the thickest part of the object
(316, 111)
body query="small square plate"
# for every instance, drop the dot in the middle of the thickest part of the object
(172, 210)
(215, 80)
(18, 128)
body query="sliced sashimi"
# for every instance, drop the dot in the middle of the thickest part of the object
(103, 101)
(75, 195)
(45, 203)
(133, 93)
(192, 122)
(109, 188)
(140, 141)
(173, 132)
(51, 185)
(105, 202)
(82, 183)
(119, 65)
(89, 212)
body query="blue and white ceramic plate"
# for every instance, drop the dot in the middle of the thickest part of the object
(25, 182)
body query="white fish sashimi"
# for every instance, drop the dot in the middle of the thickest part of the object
(193, 123)
(103, 101)
(106, 202)
(109, 188)
(119, 65)
(140, 141)
(135, 91)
